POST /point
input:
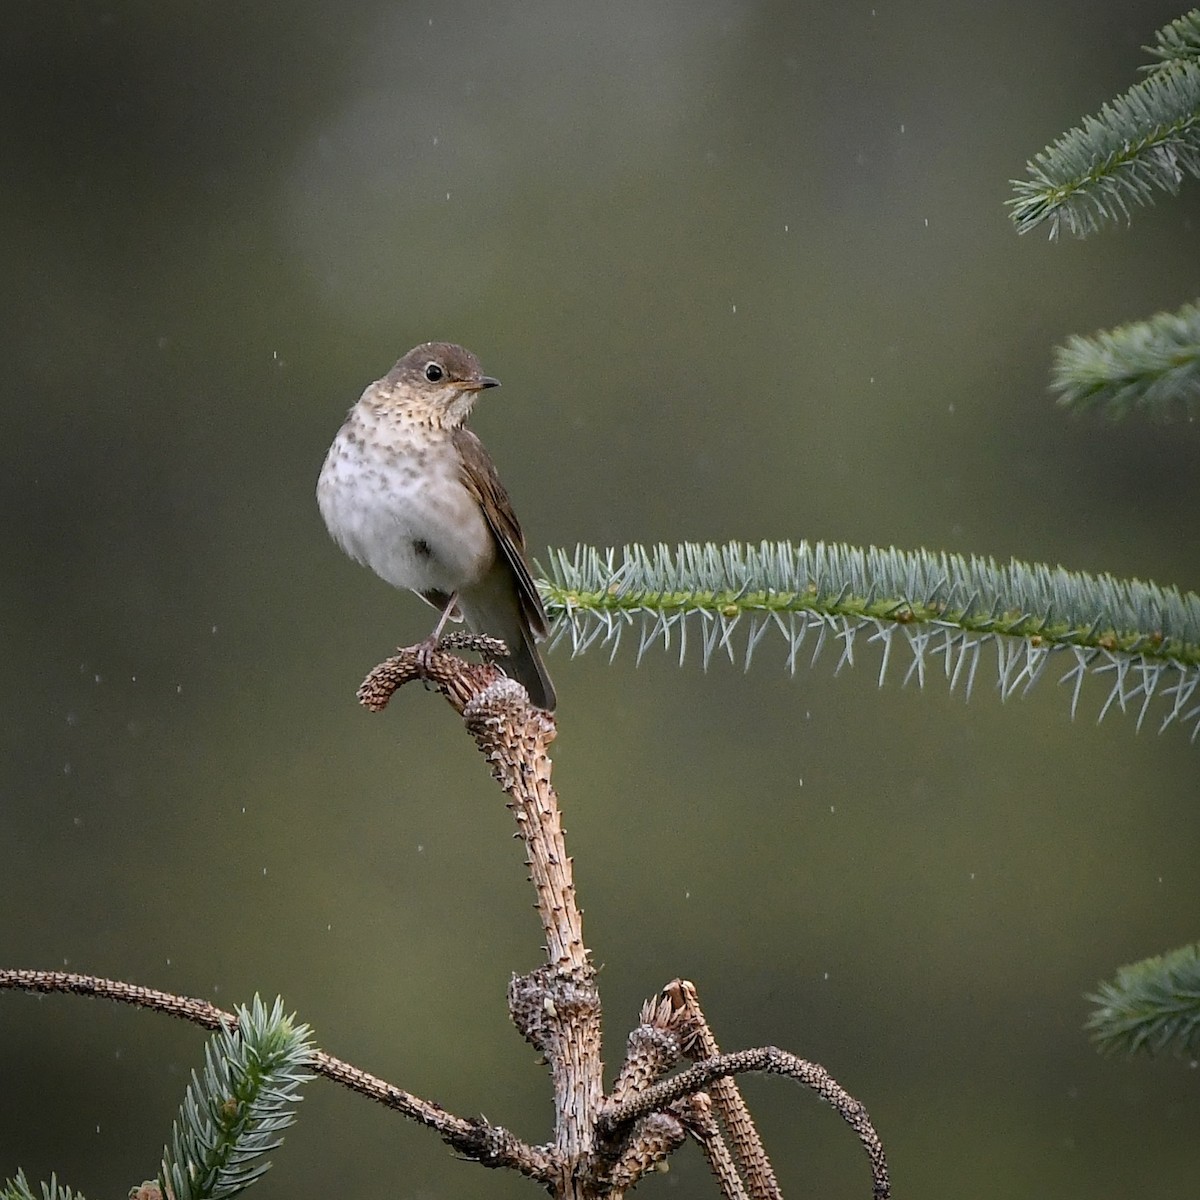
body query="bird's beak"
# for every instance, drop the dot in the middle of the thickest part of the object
(479, 383)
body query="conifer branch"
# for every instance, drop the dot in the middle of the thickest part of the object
(944, 609)
(17, 1188)
(1152, 365)
(237, 1109)
(1152, 1005)
(1143, 142)
(1176, 43)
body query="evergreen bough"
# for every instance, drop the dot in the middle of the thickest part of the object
(1142, 143)
(236, 1109)
(1151, 1006)
(945, 612)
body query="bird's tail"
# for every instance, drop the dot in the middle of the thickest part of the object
(494, 607)
(524, 664)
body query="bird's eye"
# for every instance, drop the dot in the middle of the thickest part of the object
(433, 372)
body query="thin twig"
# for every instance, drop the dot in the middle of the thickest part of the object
(702, 1125)
(731, 1110)
(476, 1138)
(773, 1061)
(655, 1139)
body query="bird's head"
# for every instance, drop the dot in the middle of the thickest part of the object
(444, 377)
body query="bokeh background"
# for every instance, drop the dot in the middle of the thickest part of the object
(745, 271)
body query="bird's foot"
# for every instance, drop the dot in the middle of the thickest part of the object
(489, 648)
(425, 651)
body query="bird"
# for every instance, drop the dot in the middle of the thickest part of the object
(409, 491)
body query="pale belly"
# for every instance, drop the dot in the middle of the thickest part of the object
(405, 516)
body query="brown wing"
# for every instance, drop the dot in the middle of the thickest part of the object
(480, 478)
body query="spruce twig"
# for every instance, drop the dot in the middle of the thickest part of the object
(1176, 43)
(944, 609)
(1143, 142)
(236, 1109)
(1151, 365)
(1152, 1005)
(17, 1188)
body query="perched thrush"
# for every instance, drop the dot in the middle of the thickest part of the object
(410, 492)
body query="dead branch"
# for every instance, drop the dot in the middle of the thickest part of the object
(730, 1109)
(602, 1146)
(474, 1138)
(773, 1061)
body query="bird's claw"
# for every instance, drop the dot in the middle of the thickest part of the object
(489, 647)
(425, 651)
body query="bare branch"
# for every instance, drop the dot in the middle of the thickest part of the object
(199, 1012)
(476, 1138)
(773, 1061)
(556, 1007)
(601, 1147)
(702, 1125)
(731, 1110)
(456, 679)
(655, 1138)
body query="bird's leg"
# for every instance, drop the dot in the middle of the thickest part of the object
(426, 648)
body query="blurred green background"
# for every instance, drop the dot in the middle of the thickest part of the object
(745, 272)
